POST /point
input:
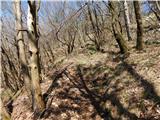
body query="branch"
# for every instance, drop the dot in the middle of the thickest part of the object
(23, 30)
(59, 39)
(56, 75)
(62, 24)
(38, 5)
(158, 6)
(29, 3)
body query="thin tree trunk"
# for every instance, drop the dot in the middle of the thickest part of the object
(6, 77)
(51, 52)
(38, 102)
(127, 20)
(94, 26)
(12, 68)
(21, 47)
(137, 9)
(116, 29)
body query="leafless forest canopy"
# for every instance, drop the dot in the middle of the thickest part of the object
(80, 60)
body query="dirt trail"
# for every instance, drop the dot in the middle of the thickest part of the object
(102, 86)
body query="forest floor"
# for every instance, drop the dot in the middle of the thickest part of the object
(101, 86)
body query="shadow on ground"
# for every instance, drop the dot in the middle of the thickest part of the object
(101, 86)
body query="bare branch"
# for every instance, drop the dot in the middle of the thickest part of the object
(63, 23)
(23, 30)
(38, 5)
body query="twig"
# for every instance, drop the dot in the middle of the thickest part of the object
(63, 23)
(55, 78)
(14, 96)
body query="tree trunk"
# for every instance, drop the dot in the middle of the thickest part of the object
(93, 20)
(38, 102)
(127, 20)
(139, 44)
(21, 47)
(116, 28)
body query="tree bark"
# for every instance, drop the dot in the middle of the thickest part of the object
(21, 47)
(139, 44)
(116, 28)
(93, 20)
(38, 102)
(127, 20)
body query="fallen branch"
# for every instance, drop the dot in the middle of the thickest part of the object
(55, 77)
(14, 97)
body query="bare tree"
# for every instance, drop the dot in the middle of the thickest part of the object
(116, 28)
(155, 8)
(32, 23)
(10, 71)
(138, 16)
(21, 46)
(96, 29)
(127, 20)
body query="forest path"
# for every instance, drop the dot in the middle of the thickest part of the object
(102, 86)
